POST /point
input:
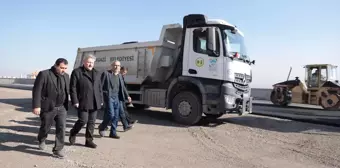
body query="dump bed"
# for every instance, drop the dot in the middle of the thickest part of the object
(154, 59)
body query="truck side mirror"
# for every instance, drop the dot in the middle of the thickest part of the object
(211, 41)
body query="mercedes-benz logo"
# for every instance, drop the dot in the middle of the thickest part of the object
(244, 78)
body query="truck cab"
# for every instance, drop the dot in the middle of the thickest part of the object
(214, 66)
(216, 51)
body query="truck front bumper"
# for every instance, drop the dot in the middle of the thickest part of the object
(234, 100)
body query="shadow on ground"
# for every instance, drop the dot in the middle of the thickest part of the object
(23, 140)
(163, 118)
(146, 116)
(23, 105)
(271, 124)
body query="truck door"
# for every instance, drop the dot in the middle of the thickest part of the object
(199, 63)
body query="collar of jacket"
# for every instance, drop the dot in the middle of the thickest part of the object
(54, 70)
(111, 72)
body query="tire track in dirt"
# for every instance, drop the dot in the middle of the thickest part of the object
(310, 149)
(305, 148)
(221, 152)
(317, 157)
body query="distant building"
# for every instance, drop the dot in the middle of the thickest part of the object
(32, 75)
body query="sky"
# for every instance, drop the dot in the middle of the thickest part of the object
(278, 34)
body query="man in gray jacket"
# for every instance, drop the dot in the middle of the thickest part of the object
(115, 94)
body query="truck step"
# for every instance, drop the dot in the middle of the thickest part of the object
(137, 102)
(134, 92)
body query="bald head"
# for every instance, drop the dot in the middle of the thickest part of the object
(115, 66)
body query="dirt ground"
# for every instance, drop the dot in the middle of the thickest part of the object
(156, 141)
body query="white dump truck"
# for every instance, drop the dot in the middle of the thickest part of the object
(200, 67)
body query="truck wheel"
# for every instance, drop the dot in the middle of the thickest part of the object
(186, 108)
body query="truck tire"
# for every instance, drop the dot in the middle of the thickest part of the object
(186, 108)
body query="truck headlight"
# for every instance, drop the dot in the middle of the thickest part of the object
(229, 99)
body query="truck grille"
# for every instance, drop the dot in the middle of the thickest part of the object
(241, 87)
(241, 83)
(242, 79)
(241, 92)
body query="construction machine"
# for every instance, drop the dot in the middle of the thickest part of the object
(320, 87)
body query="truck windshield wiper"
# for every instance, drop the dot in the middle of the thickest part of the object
(243, 58)
(239, 58)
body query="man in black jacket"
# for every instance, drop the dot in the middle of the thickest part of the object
(86, 96)
(50, 101)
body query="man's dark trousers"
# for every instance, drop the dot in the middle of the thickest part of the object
(87, 117)
(128, 117)
(86, 92)
(58, 114)
(113, 110)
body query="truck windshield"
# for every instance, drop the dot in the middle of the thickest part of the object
(235, 44)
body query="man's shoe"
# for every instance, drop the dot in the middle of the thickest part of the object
(72, 140)
(59, 154)
(90, 144)
(115, 136)
(42, 145)
(101, 133)
(127, 128)
(107, 127)
(134, 122)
